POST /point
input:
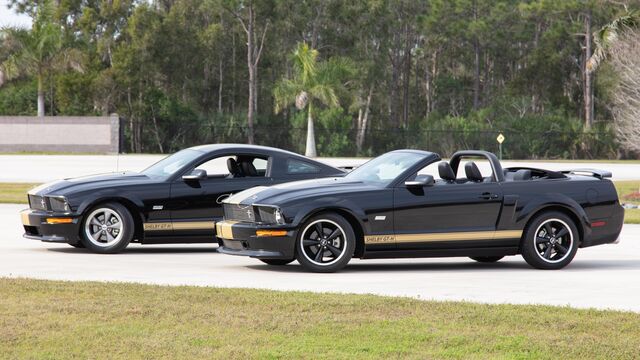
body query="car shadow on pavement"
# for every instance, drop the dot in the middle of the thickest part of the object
(584, 265)
(144, 250)
(427, 266)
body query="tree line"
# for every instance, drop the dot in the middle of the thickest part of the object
(368, 75)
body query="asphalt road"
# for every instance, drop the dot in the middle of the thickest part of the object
(44, 168)
(604, 277)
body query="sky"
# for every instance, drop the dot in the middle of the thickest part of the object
(10, 18)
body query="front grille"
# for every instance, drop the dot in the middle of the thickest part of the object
(37, 202)
(237, 212)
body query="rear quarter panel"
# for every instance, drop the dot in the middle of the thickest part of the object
(587, 199)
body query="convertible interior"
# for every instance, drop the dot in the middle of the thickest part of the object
(473, 174)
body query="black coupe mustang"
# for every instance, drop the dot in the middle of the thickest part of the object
(393, 207)
(176, 200)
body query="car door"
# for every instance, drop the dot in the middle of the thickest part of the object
(446, 214)
(195, 204)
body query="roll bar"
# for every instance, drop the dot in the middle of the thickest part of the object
(498, 174)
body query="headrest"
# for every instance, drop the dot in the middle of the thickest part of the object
(446, 172)
(232, 166)
(522, 174)
(472, 172)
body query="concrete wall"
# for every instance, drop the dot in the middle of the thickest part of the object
(73, 134)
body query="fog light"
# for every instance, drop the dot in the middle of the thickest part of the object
(262, 233)
(59, 220)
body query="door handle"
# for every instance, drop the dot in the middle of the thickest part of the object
(488, 196)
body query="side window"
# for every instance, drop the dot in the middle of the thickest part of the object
(260, 165)
(246, 166)
(295, 167)
(216, 167)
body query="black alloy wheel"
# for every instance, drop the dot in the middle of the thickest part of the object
(325, 244)
(551, 241)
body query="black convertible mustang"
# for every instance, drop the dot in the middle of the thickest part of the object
(393, 207)
(176, 200)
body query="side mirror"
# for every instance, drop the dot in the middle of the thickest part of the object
(420, 181)
(196, 174)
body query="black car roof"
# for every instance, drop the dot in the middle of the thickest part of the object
(215, 147)
(415, 151)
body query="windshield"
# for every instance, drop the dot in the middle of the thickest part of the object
(171, 164)
(385, 168)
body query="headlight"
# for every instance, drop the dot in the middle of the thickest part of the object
(59, 204)
(278, 216)
(271, 215)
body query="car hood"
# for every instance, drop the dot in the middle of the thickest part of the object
(281, 193)
(87, 183)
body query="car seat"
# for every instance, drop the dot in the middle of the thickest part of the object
(248, 169)
(522, 174)
(446, 172)
(472, 172)
(234, 169)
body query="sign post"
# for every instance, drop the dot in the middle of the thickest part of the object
(500, 139)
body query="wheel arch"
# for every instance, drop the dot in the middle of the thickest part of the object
(133, 209)
(566, 210)
(356, 225)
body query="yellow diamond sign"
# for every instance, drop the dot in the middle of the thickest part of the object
(500, 138)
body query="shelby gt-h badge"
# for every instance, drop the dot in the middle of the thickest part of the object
(176, 200)
(392, 207)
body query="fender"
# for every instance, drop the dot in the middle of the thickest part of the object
(554, 199)
(108, 194)
(314, 207)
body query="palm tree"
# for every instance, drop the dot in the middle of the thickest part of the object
(314, 83)
(609, 34)
(37, 52)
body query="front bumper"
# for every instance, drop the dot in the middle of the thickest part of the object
(241, 239)
(36, 227)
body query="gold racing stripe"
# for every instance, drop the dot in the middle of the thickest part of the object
(24, 216)
(179, 225)
(450, 236)
(194, 225)
(224, 230)
(158, 226)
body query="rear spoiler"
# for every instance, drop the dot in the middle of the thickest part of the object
(600, 174)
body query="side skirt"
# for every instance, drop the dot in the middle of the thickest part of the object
(390, 254)
(176, 239)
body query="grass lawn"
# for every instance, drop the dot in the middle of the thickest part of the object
(632, 216)
(53, 319)
(626, 189)
(16, 193)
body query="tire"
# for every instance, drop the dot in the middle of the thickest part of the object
(276, 262)
(325, 244)
(550, 241)
(78, 245)
(486, 259)
(107, 228)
